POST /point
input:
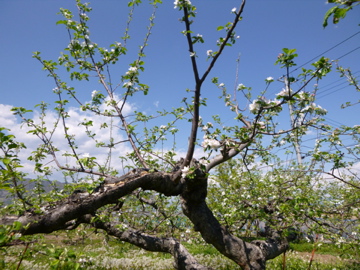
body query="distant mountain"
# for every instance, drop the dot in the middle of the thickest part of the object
(30, 185)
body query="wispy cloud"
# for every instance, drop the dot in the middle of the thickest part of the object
(112, 133)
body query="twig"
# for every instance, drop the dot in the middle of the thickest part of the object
(22, 256)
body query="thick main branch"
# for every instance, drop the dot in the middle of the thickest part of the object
(182, 258)
(57, 217)
(249, 256)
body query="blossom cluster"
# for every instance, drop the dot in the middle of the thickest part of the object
(269, 79)
(178, 3)
(207, 126)
(94, 93)
(185, 171)
(262, 102)
(284, 93)
(212, 143)
(132, 70)
(127, 84)
(241, 87)
(314, 108)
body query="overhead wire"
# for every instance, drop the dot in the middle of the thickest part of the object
(333, 47)
(306, 155)
(348, 53)
(328, 120)
(324, 93)
(342, 80)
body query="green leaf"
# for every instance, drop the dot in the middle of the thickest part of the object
(61, 22)
(6, 161)
(17, 225)
(327, 15)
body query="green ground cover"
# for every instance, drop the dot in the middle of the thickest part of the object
(94, 251)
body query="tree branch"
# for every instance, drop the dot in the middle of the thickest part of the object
(182, 258)
(199, 81)
(247, 255)
(57, 216)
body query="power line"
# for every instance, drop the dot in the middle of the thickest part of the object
(316, 57)
(326, 94)
(340, 79)
(348, 53)
(328, 150)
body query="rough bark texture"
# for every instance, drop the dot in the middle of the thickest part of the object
(247, 255)
(182, 258)
(80, 207)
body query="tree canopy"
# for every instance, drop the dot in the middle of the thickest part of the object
(233, 186)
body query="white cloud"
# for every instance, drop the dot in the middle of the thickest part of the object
(84, 143)
(7, 119)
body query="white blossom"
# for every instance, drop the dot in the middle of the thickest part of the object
(240, 86)
(254, 106)
(233, 10)
(127, 84)
(132, 69)
(313, 107)
(178, 3)
(93, 93)
(209, 52)
(203, 161)
(214, 144)
(84, 15)
(284, 93)
(192, 54)
(302, 95)
(162, 127)
(275, 102)
(69, 22)
(321, 110)
(269, 79)
(185, 171)
(261, 125)
(221, 85)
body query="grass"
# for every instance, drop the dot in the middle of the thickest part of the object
(64, 251)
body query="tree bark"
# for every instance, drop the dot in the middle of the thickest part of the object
(183, 260)
(78, 207)
(249, 256)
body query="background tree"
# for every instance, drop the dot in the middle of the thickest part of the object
(135, 198)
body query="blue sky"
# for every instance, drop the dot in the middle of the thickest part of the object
(267, 27)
